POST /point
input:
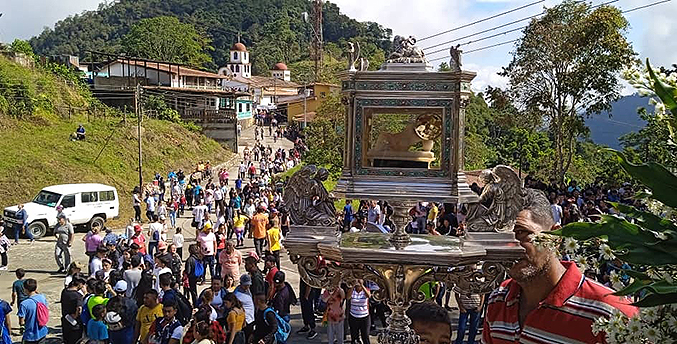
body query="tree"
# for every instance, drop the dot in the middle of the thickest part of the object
(167, 39)
(22, 47)
(565, 68)
(324, 136)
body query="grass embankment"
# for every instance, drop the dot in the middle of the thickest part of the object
(35, 150)
(34, 156)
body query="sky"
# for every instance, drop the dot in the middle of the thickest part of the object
(650, 29)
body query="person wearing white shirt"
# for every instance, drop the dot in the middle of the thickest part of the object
(178, 240)
(150, 208)
(556, 211)
(161, 264)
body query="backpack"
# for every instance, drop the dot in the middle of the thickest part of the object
(42, 313)
(199, 268)
(283, 327)
(156, 235)
(184, 310)
(84, 315)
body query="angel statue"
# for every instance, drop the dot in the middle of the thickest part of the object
(500, 201)
(308, 201)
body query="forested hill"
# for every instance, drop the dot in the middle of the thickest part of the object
(273, 30)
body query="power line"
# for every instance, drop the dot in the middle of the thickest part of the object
(504, 25)
(482, 20)
(645, 6)
(479, 39)
(515, 40)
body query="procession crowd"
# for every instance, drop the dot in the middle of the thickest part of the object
(140, 285)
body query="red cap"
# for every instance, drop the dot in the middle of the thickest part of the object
(137, 228)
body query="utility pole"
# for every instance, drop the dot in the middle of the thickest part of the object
(137, 93)
(317, 16)
(305, 108)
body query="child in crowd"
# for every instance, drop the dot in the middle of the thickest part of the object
(431, 322)
(97, 332)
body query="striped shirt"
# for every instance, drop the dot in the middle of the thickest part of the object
(359, 304)
(565, 316)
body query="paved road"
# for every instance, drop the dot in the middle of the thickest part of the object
(37, 259)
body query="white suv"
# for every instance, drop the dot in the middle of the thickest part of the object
(83, 204)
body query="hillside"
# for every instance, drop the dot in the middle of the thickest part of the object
(605, 130)
(276, 27)
(36, 150)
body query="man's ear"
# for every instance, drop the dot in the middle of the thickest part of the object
(555, 227)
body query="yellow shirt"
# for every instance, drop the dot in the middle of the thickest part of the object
(235, 321)
(274, 239)
(238, 221)
(432, 215)
(146, 316)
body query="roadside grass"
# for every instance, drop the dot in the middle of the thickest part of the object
(33, 156)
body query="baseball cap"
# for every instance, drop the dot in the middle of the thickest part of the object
(61, 216)
(137, 228)
(279, 277)
(162, 245)
(120, 286)
(252, 255)
(245, 280)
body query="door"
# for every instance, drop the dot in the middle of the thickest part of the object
(68, 204)
(89, 202)
(108, 203)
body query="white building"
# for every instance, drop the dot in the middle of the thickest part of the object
(239, 65)
(280, 71)
(158, 74)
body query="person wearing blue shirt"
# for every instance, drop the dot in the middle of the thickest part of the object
(80, 132)
(347, 214)
(28, 313)
(96, 328)
(5, 323)
(21, 227)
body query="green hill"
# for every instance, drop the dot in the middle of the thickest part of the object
(37, 152)
(273, 29)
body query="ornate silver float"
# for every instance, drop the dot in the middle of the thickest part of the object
(404, 144)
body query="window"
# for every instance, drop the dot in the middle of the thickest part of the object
(237, 68)
(232, 68)
(88, 197)
(106, 196)
(249, 107)
(68, 201)
(47, 198)
(234, 55)
(239, 107)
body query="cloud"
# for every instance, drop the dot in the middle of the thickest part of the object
(486, 76)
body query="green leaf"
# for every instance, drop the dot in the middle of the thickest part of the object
(652, 300)
(647, 220)
(629, 241)
(665, 92)
(663, 183)
(662, 287)
(632, 288)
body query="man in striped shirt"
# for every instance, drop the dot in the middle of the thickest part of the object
(546, 301)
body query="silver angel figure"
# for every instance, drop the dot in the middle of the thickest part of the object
(500, 201)
(308, 201)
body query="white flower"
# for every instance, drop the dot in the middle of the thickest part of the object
(649, 314)
(616, 281)
(606, 252)
(651, 334)
(571, 245)
(635, 325)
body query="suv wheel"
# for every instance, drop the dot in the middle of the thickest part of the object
(97, 220)
(38, 229)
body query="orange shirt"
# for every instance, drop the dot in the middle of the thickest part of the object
(259, 223)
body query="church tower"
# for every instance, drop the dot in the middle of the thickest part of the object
(239, 65)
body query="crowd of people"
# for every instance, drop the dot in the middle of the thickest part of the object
(140, 285)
